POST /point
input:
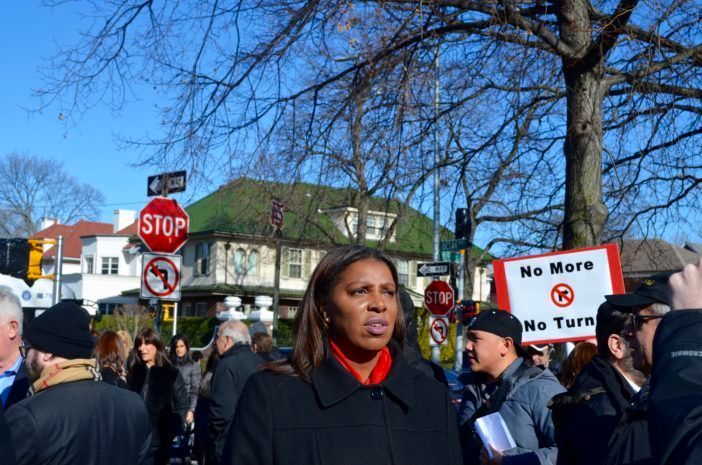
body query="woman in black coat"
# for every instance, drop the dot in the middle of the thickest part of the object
(346, 395)
(110, 355)
(161, 386)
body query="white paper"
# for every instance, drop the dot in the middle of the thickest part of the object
(493, 432)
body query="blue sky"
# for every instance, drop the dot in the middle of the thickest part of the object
(29, 33)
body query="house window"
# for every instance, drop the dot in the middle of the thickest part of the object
(110, 265)
(295, 263)
(201, 309)
(403, 272)
(239, 261)
(371, 230)
(202, 259)
(89, 265)
(188, 309)
(252, 264)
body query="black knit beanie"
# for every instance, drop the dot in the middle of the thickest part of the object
(62, 330)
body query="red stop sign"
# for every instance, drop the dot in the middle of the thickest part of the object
(439, 297)
(163, 225)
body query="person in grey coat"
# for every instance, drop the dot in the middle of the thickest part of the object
(179, 353)
(501, 381)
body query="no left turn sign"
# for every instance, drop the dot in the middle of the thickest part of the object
(438, 330)
(160, 277)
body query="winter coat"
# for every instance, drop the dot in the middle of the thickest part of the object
(190, 371)
(163, 391)
(676, 389)
(233, 370)
(112, 378)
(585, 417)
(7, 452)
(406, 420)
(524, 412)
(83, 422)
(629, 444)
(20, 387)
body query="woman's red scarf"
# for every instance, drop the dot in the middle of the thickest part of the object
(380, 371)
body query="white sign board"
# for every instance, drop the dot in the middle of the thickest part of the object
(438, 330)
(160, 276)
(556, 295)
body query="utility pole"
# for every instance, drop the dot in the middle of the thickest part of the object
(56, 297)
(436, 351)
(276, 283)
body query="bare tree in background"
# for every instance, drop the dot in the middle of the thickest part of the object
(32, 188)
(613, 89)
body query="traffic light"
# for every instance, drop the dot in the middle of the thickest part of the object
(168, 309)
(36, 252)
(463, 225)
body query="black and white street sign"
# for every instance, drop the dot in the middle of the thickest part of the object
(166, 183)
(160, 277)
(433, 269)
(438, 330)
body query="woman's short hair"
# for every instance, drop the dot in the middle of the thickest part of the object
(310, 328)
(110, 352)
(149, 336)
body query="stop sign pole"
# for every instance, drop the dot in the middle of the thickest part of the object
(439, 299)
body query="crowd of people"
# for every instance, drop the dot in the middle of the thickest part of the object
(354, 389)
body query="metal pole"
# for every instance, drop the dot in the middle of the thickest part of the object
(276, 284)
(458, 362)
(57, 271)
(436, 351)
(175, 318)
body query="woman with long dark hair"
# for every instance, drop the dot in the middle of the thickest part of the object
(161, 385)
(179, 352)
(110, 354)
(346, 394)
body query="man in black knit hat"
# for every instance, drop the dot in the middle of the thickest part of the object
(71, 417)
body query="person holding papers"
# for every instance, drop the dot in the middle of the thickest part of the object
(502, 382)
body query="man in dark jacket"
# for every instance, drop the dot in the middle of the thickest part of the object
(7, 452)
(503, 382)
(72, 417)
(630, 443)
(237, 362)
(675, 413)
(13, 374)
(588, 413)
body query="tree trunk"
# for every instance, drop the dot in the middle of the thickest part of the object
(585, 212)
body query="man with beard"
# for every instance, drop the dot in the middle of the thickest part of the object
(648, 304)
(72, 417)
(588, 413)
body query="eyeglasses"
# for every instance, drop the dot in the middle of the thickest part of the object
(24, 348)
(640, 319)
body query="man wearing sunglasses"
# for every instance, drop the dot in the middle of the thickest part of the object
(647, 305)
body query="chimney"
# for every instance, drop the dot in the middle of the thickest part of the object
(123, 218)
(47, 222)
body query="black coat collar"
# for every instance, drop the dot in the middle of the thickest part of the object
(236, 348)
(333, 383)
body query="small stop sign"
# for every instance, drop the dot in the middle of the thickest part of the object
(439, 297)
(163, 225)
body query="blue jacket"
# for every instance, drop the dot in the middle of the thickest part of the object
(524, 412)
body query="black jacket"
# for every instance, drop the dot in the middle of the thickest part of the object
(112, 378)
(233, 370)
(7, 452)
(585, 417)
(163, 391)
(630, 443)
(676, 389)
(408, 419)
(19, 388)
(82, 422)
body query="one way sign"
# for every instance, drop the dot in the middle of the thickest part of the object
(433, 269)
(166, 183)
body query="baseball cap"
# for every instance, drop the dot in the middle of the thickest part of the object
(653, 289)
(499, 323)
(542, 348)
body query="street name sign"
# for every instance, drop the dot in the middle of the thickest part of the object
(439, 298)
(454, 246)
(433, 269)
(163, 225)
(160, 276)
(556, 295)
(166, 183)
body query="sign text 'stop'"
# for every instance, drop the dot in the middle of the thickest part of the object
(163, 225)
(439, 297)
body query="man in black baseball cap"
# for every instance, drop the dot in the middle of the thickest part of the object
(72, 416)
(501, 381)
